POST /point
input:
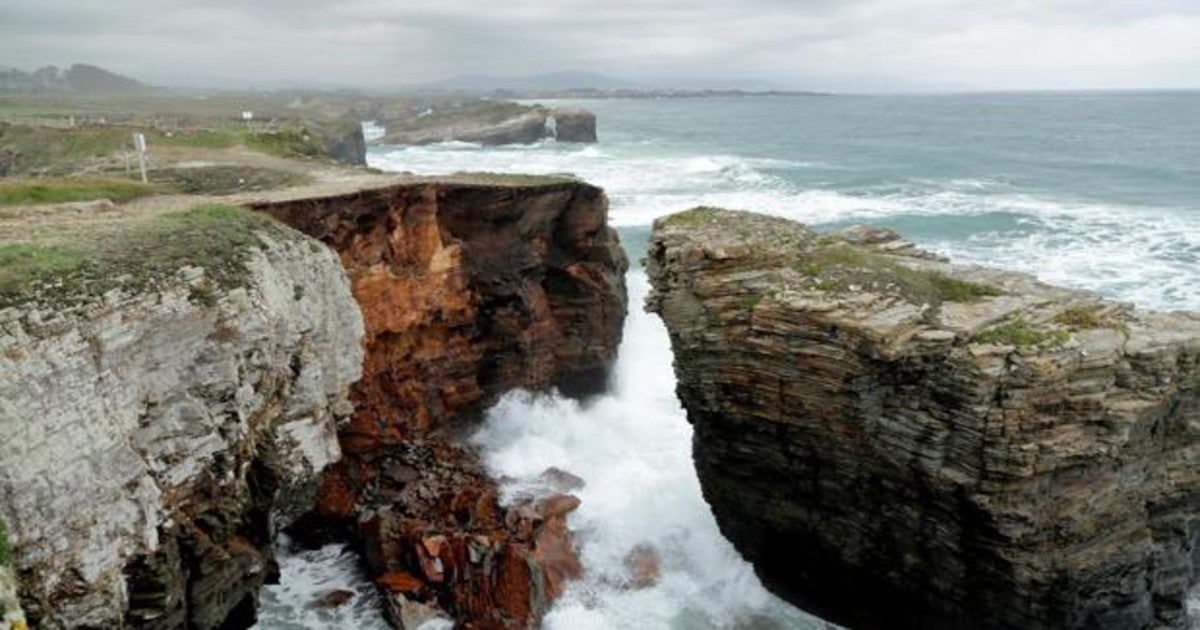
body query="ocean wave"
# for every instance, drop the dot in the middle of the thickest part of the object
(1147, 249)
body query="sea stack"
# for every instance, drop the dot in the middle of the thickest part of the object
(894, 441)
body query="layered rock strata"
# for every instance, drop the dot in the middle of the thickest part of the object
(895, 441)
(153, 441)
(469, 288)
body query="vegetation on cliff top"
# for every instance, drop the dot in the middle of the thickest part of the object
(61, 151)
(840, 266)
(63, 190)
(74, 267)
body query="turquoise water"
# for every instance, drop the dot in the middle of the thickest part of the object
(1094, 190)
(1099, 191)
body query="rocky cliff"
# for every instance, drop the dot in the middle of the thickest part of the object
(160, 420)
(895, 441)
(468, 288)
(494, 124)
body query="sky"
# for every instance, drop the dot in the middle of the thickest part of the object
(837, 45)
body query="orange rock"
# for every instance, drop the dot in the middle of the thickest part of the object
(557, 505)
(399, 582)
(467, 291)
(644, 566)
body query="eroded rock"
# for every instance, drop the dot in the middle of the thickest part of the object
(468, 290)
(895, 441)
(151, 443)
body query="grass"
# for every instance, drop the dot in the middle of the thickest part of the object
(1019, 332)
(506, 179)
(63, 190)
(290, 143)
(839, 266)
(225, 180)
(81, 267)
(691, 218)
(5, 550)
(55, 151)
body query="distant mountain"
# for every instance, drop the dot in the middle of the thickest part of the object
(78, 78)
(568, 80)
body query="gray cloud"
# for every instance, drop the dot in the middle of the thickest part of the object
(822, 44)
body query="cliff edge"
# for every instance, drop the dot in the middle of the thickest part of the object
(895, 441)
(470, 286)
(170, 387)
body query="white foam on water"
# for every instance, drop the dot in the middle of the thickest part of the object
(633, 448)
(1139, 253)
(305, 576)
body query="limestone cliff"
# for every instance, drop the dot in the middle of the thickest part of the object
(895, 441)
(469, 288)
(156, 432)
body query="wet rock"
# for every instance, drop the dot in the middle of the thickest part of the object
(559, 480)
(334, 598)
(644, 566)
(468, 290)
(966, 447)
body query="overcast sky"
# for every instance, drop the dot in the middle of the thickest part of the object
(843, 45)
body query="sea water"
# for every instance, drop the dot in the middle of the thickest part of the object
(1091, 190)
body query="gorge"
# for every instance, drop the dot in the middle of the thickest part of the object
(286, 380)
(209, 404)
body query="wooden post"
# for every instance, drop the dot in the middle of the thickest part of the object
(139, 143)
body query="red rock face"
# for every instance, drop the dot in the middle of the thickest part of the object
(467, 291)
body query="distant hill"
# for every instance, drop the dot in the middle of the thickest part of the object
(568, 80)
(78, 78)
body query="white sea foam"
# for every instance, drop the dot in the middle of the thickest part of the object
(1147, 251)
(305, 577)
(633, 448)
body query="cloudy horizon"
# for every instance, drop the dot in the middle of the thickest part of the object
(857, 45)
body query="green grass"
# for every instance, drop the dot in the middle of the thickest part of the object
(54, 151)
(837, 266)
(691, 218)
(1020, 333)
(5, 550)
(80, 267)
(291, 143)
(505, 179)
(224, 180)
(63, 190)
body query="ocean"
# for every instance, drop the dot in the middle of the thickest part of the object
(1099, 191)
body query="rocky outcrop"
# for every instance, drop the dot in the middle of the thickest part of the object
(496, 125)
(341, 140)
(469, 288)
(574, 125)
(895, 441)
(154, 440)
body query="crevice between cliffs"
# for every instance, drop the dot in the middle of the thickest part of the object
(467, 290)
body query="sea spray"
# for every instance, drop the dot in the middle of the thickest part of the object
(632, 447)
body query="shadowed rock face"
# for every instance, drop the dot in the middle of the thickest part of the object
(467, 290)
(897, 442)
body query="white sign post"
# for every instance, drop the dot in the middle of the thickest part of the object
(139, 144)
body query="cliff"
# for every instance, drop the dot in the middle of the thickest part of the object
(895, 441)
(469, 287)
(169, 390)
(493, 123)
